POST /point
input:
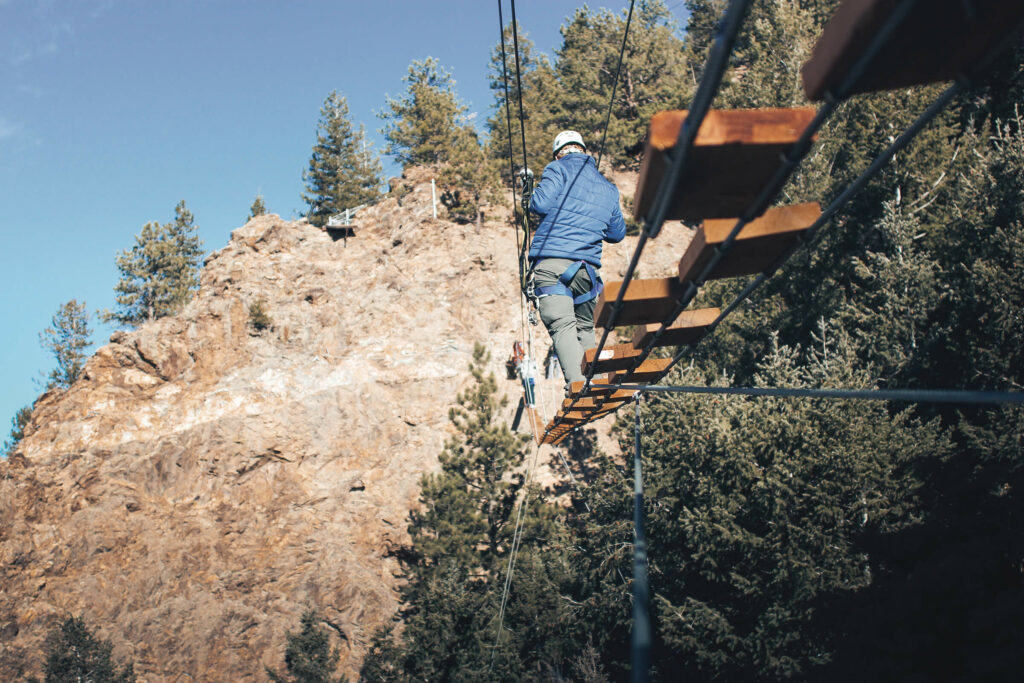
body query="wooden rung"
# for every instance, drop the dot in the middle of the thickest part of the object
(650, 370)
(612, 358)
(645, 301)
(758, 245)
(690, 325)
(618, 398)
(936, 41)
(576, 387)
(734, 155)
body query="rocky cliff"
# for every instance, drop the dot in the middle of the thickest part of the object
(205, 481)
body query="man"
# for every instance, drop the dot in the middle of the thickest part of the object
(579, 210)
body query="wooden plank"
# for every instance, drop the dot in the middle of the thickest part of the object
(936, 41)
(576, 387)
(588, 415)
(734, 155)
(616, 357)
(618, 398)
(758, 245)
(645, 301)
(649, 371)
(690, 325)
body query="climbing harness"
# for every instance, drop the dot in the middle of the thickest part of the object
(565, 279)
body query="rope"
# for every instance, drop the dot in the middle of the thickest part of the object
(517, 538)
(640, 638)
(615, 85)
(898, 395)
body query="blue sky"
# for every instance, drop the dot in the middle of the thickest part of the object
(111, 111)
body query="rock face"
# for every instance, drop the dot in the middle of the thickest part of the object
(205, 481)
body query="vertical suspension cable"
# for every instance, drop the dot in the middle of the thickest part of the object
(640, 641)
(615, 85)
(512, 175)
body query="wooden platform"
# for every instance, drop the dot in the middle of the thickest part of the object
(645, 301)
(735, 153)
(689, 326)
(937, 40)
(757, 246)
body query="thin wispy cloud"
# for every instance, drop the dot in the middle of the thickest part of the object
(8, 129)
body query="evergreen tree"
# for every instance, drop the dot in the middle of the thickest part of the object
(654, 76)
(75, 655)
(258, 208)
(461, 536)
(342, 171)
(428, 126)
(542, 105)
(425, 124)
(308, 656)
(161, 272)
(758, 506)
(67, 338)
(18, 423)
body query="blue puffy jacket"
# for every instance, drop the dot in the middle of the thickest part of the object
(580, 209)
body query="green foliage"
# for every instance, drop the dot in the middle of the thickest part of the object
(259, 317)
(542, 105)
(427, 126)
(18, 423)
(654, 76)
(574, 92)
(67, 338)
(461, 536)
(258, 208)
(75, 655)
(160, 273)
(427, 122)
(308, 655)
(760, 506)
(342, 172)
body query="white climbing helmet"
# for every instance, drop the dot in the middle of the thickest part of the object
(567, 137)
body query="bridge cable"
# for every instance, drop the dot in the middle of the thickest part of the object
(615, 85)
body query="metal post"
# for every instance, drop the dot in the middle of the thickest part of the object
(641, 637)
(433, 195)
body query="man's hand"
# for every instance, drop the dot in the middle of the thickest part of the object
(525, 177)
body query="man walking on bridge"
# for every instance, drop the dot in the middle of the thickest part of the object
(579, 210)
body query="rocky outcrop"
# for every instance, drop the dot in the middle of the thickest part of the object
(205, 481)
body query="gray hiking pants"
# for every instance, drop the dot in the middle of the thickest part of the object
(571, 326)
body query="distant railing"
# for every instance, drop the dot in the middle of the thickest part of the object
(343, 219)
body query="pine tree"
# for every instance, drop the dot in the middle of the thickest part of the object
(426, 122)
(67, 338)
(18, 423)
(308, 655)
(461, 536)
(258, 208)
(654, 76)
(342, 173)
(428, 126)
(161, 272)
(542, 105)
(760, 507)
(74, 654)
